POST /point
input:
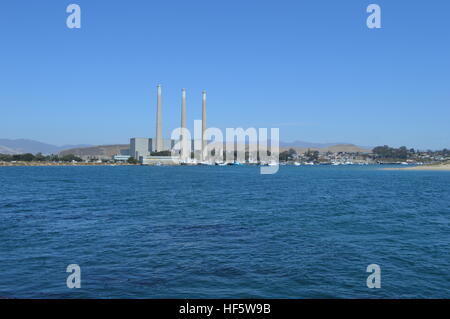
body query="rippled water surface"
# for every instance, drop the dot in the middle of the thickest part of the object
(154, 232)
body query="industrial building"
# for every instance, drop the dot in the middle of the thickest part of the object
(142, 148)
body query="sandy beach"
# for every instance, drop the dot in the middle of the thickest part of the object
(437, 167)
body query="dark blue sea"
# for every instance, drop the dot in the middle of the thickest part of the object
(223, 232)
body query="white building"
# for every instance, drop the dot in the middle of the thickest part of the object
(139, 146)
(142, 146)
(121, 158)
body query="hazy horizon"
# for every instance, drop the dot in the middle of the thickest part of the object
(284, 144)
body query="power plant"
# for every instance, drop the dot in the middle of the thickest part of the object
(145, 150)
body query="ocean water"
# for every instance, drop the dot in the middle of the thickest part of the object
(223, 232)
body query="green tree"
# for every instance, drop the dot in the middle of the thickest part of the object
(284, 156)
(312, 156)
(402, 152)
(132, 160)
(40, 158)
(23, 157)
(6, 158)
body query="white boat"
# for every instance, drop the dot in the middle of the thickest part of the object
(205, 163)
(221, 164)
(270, 164)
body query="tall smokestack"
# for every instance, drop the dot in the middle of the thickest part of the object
(203, 124)
(183, 108)
(159, 139)
(183, 152)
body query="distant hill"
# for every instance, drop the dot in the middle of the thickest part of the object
(348, 148)
(21, 146)
(7, 150)
(100, 151)
(334, 148)
(303, 144)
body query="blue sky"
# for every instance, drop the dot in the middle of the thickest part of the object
(311, 68)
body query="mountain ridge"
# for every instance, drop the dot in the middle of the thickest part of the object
(21, 146)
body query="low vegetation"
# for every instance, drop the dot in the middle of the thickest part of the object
(38, 158)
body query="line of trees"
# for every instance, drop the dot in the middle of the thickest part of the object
(444, 152)
(28, 157)
(287, 155)
(310, 155)
(386, 152)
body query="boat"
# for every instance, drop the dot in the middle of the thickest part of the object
(270, 164)
(188, 162)
(204, 163)
(221, 164)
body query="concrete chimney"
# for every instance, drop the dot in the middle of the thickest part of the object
(159, 137)
(183, 108)
(204, 141)
(183, 152)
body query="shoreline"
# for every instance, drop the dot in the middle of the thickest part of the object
(437, 167)
(431, 167)
(42, 164)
